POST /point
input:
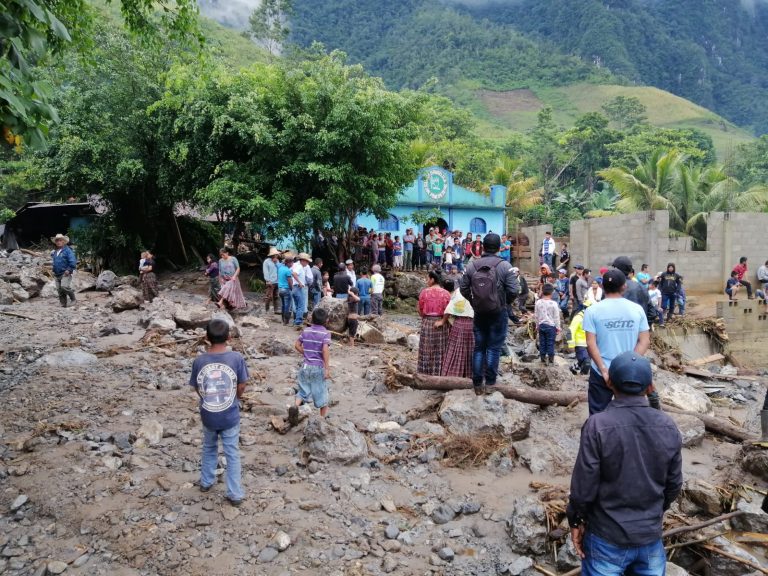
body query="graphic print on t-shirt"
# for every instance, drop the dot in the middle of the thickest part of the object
(217, 384)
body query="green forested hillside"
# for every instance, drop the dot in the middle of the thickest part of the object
(713, 52)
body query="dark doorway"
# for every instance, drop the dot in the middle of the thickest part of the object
(440, 224)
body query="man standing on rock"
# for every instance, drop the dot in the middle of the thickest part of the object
(613, 326)
(490, 286)
(548, 247)
(269, 268)
(64, 265)
(377, 291)
(627, 474)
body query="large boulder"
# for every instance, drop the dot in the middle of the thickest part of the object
(191, 316)
(541, 456)
(33, 280)
(68, 359)
(700, 497)
(83, 281)
(753, 519)
(19, 293)
(527, 526)
(680, 394)
(409, 285)
(370, 334)
(462, 412)
(6, 293)
(725, 566)
(127, 298)
(234, 331)
(49, 290)
(130, 280)
(106, 281)
(329, 442)
(337, 313)
(756, 462)
(9, 273)
(691, 429)
(158, 309)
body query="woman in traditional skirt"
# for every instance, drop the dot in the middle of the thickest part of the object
(461, 338)
(433, 301)
(148, 279)
(231, 295)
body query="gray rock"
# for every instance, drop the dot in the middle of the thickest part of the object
(445, 554)
(691, 429)
(275, 347)
(123, 441)
(567, 559)
(81, 561)
(56, 567)
(68, 358)
(370, 334)
(700, 496)
(267, 555)
(150, 433)
(129, 280)
(527, 526)
(723, 566)
(6, 293)
(330, 442)
(443, 514)
(19, 293)
(675, 570)
(49, 290)
(19, 501)
(541, 456)
(464, 413)
(683, 395)
(519, 566)
(337, 313)
(234, 329)
(33, 280)
(409, 285)
(192, 316)
(106, 281)
(127, 298)
(162, 325)
(753, 520)
(470, 508)
(281, 541)
(413, 341)
(254, 322)
(83, 281)
(756, 462)
(391, 532)
(389, 564)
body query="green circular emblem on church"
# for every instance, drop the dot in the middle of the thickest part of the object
(436, 184)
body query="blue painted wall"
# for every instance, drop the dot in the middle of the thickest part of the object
(434, 188)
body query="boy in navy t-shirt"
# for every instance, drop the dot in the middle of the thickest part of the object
(219, 377)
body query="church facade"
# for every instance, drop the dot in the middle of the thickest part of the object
(460, 208)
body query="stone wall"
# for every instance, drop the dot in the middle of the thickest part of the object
(644, 237)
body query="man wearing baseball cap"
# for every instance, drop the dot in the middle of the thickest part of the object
(627, 474)
(613, 326)
(635, 291)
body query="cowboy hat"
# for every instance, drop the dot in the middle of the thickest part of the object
(305, 256)
(273, 252)
(61, 237)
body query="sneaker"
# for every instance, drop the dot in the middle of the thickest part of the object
(574, 368)
(205, 488)
(293, 415)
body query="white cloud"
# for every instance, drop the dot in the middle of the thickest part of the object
(232, 13)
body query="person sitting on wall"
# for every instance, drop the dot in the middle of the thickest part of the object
(741, 270)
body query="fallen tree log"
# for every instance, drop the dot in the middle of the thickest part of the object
(717, 425)
(520, 393)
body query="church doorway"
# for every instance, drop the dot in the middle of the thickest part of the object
(440, 224)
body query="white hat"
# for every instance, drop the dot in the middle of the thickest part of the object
(305, 256)
(273, 252)
(349, 262)
(61, 237)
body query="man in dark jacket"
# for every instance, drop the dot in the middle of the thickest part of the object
(491, 316)
(64, 265)
(635, 291)
(627, 474)
(669, 285)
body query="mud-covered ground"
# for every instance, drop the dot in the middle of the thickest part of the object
(85, 488)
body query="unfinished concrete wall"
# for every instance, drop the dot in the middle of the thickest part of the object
(644, 237)
(747, 326)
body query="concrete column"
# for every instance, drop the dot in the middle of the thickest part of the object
(725, 255)
(651, 246)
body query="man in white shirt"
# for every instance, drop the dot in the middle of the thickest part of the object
(548, 248)
(377, 291)
(351, 271)
(299, 273)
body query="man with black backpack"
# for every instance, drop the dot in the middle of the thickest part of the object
(490, 286)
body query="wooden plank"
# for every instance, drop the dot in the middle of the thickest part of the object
(707, 360)
(691, 371)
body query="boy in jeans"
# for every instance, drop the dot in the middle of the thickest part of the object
(547, 313)
(219, 377)
(314, 344)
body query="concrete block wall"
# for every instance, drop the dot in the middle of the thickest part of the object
(747, 325)
(644, 237)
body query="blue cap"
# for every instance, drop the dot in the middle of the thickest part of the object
(630, 373)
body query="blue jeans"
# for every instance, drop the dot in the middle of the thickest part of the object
(365, 305)
(668, 302)
(564, 299)
(490, 335)
(606, 559)
(230, 438)
(547, 335)
(312, 384)
(285, 300)
(599, 395)
(300, 305)
(548, 260)
(315, 298)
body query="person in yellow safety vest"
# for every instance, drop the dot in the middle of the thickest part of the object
(577, 340)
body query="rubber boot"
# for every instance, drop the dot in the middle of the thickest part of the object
(764, 425)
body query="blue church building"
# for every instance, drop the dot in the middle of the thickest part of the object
(462, 209)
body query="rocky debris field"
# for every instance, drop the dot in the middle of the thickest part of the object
(100, 451)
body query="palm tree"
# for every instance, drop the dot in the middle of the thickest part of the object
(650, 185)
(522, 193)
(603, 202)
(696, 185)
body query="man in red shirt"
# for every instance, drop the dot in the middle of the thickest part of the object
(741, 271)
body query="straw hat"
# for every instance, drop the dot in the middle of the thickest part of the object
(61, 237)
(273, 252)
(305, 256)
